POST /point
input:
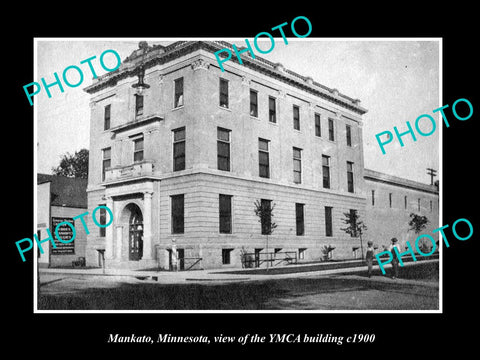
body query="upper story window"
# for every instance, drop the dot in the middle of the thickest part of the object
(106, 117)
(223, 149)
(263, 158)
(224, 93)
(296, 117)
(106, 161)
(253, 103)
(179, 149)
(331, 131)
(272, 110)
(349, 135)
(138, 149)
(297, 165)
(138, 105)
(318, 129)
(178, 96)
(326, 171)
(350, 176)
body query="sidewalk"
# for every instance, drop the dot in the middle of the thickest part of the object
(230, 275)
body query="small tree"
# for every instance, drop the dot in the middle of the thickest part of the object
(75, 165)
(417, 223)
(264, 211)
(355, 227)
(326, 251)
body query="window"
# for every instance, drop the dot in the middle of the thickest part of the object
(263, 158)
(225, 214)
(297, 165)
(300, 219)
(328, 221)
(326, 171)
(253, 103)
(103, 221)
(350, 176)
(138, 149)
(177, 214)
(318, 130)
(373, 197)
(431, 206)
(296, 117)
(390, 199)
(179, 149)
(223, 93)
(266, 221)
(226, 258)
(272, 110)
(223, 149)
(106, 161)
(178, 97)
(138, 105)
(353, 216)
(106, 117)
(418, 204)
(301, 253)
(349, 135)
(331, 133)
(405, 199)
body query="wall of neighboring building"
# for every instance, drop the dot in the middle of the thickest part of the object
(43, 222)
(386, 221)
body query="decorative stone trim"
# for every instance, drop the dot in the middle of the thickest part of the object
(245, 81)
(200, 64)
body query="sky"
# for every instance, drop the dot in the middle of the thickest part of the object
(397, 80)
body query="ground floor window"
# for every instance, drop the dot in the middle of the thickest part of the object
(301, 253)
(226, 256)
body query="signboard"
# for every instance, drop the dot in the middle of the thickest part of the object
(66, 233)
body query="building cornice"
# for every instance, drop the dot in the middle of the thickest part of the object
(157, 55)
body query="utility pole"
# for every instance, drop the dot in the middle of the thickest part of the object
(432, 173)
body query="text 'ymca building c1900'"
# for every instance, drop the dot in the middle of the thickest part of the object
(181, 161)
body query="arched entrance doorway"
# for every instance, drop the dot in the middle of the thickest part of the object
(135, 233)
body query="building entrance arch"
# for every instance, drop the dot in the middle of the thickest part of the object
(135, 232)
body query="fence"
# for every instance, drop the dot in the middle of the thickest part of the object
(272, 259)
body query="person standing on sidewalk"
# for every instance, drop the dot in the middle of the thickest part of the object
(369, 257)
(395, 265)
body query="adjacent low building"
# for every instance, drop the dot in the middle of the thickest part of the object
(59, 199)
(390, 201)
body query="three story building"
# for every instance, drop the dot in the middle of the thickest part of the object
(182, 161)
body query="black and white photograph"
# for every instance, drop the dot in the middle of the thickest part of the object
(212, 184)
(196, 185)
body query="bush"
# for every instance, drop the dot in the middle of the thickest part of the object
(326, 250)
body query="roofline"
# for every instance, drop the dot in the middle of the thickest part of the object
(398, 181)
(160, 55)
